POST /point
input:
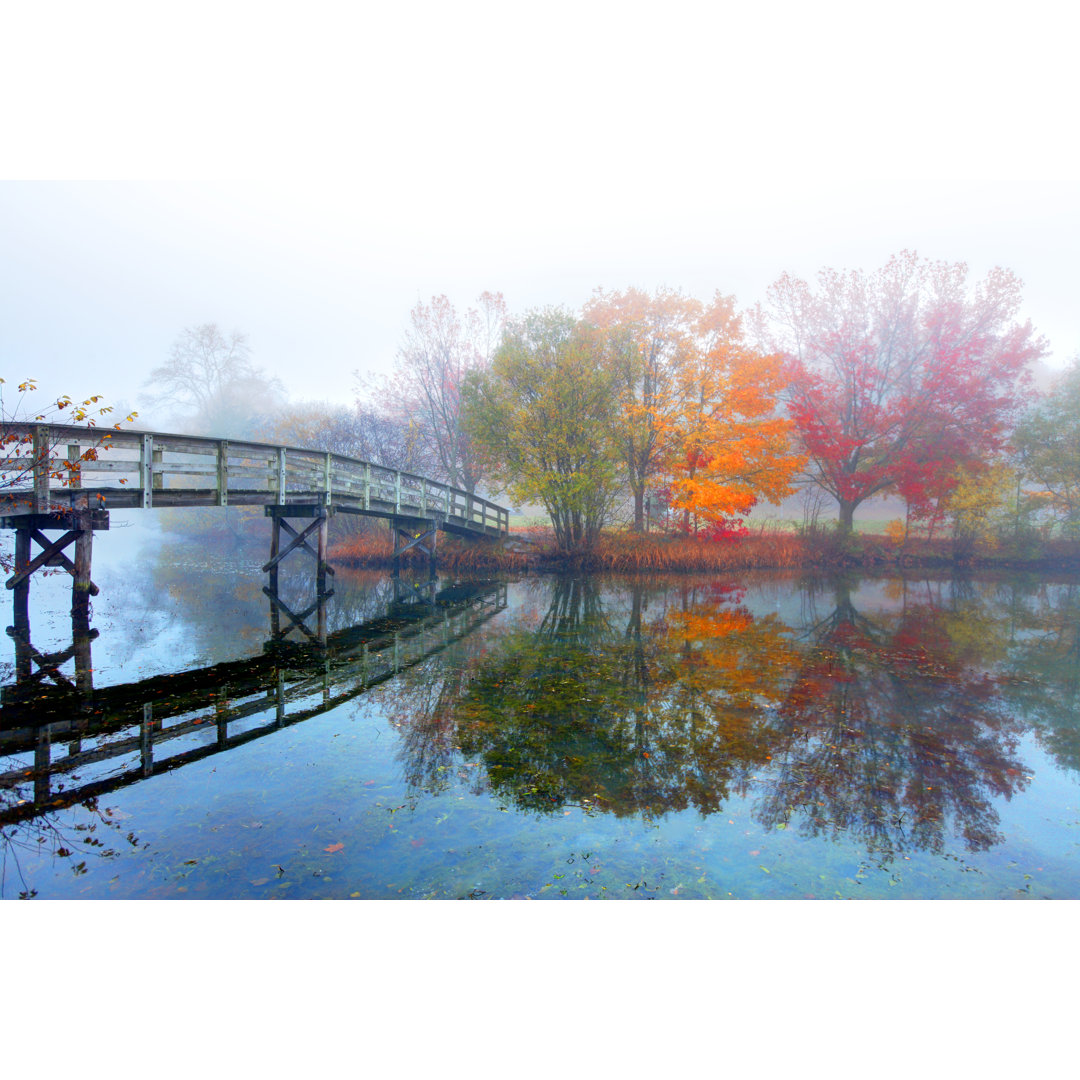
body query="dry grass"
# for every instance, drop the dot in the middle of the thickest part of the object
(534, 549)
(377, 550)
(629, 553)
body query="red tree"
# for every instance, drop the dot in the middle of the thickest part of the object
(899, 375)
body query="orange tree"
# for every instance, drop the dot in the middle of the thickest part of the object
(697, 406)
(727, 446)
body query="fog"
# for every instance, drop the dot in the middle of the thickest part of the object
(308, 184)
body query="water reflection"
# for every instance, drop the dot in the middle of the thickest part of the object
(895, 718)
(625, 712)
(894, 731)
(141, 729)
(897, 727)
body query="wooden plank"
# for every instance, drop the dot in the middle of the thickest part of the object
(74, 466)
(82, 587)
(280, 519)
(187, 444)
(42, 468)
(223, 473)
(146, 465)
(91, 468)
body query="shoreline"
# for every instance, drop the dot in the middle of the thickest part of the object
(626, 553)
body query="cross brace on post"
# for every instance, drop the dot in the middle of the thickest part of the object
(320, 515)
(321, 520)
(80, 526)
(49, 664)
(297, 621)
(425, 539)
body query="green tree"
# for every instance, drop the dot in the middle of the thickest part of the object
(1048, 446)
(543, 414)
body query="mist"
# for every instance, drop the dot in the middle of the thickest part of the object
(309, 196)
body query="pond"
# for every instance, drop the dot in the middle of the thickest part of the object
(766, 736)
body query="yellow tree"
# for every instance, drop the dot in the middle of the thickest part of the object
(542, 415)
(726, 445)
(648, 339)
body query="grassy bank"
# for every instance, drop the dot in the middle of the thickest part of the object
(534, 549)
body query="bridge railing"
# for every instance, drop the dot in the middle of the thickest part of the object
(156, 468)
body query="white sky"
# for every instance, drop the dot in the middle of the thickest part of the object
(306, 175)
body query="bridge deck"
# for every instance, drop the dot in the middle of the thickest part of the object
(57, 467)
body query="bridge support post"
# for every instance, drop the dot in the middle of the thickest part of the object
(320, 516)
(80, 526)
(319, 524)
(415, 534)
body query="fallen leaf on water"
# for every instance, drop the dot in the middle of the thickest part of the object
(334, 847)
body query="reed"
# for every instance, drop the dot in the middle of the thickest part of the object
(534, 549)
(630, 553)
(452, 554)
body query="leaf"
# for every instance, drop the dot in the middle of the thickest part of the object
(334, 847)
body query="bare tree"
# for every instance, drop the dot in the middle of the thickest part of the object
(439, 349)
(354, 432)
(211, 380)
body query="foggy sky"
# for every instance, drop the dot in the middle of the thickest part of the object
(307, 185)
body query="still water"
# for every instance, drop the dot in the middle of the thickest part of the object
(771, 736)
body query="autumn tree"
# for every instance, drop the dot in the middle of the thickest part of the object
(18, 452)
(212, 383)
(542, 415)
(727, 446)
(647, 339)
(439, 350)
(899, 375)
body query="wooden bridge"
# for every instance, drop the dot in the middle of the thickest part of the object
(118, 735)
(68, 478)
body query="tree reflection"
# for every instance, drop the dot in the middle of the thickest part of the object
(1044, 664)
(74, 835)
(655, 717)
(890, 727)
(890, 732)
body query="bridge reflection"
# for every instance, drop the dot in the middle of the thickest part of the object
(114, 736)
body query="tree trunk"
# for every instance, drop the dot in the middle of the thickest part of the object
(847, 517)
(639, 509)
